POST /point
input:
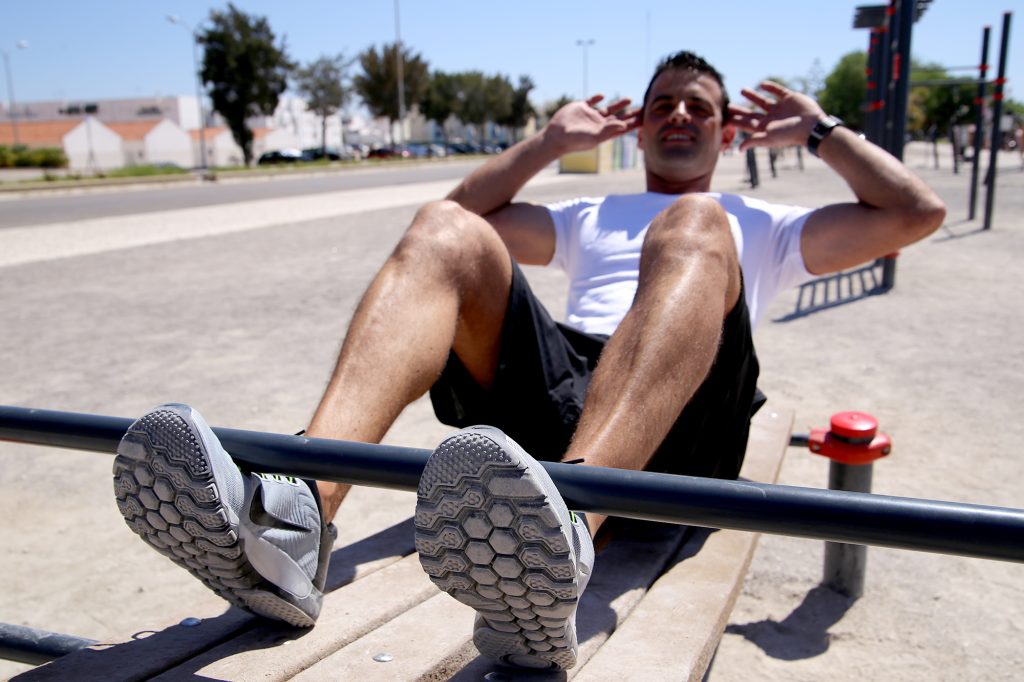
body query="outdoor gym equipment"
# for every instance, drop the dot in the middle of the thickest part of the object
(837, 516)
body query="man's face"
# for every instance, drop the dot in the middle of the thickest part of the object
(682, 133)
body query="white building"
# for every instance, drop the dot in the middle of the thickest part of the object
(155, 142)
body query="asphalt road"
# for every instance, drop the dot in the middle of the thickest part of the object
(42, 209)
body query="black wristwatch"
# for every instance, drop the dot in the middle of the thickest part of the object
(821, 130)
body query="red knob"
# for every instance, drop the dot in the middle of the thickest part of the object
(854, 427)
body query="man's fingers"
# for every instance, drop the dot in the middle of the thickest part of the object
(593, 100)
(618, 105)
(756, 98)
(774, 88)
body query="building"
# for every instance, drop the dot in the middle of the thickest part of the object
(154, 143)
(89, 145)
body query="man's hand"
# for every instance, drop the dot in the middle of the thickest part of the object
(785, 119)
(583, 125)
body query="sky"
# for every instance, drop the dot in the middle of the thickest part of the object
(80, 51)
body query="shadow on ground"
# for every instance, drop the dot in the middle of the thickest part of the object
(803, 633)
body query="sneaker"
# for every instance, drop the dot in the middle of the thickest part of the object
(257, 540)
(493, 532)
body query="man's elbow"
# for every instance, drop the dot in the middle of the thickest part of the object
(924, 217)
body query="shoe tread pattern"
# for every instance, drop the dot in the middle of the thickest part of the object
(486, 535)
(167, 494)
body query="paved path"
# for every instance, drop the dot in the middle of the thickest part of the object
(239, 310)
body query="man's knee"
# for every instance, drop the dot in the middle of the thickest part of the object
(445, 230)
(693, 222)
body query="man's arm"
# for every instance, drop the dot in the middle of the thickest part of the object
(894, 207)
(527, 229)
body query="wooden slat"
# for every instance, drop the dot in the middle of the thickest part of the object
(674, 631)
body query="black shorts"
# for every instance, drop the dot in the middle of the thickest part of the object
(545, 367)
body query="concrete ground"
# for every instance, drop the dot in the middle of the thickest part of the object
(240, 311)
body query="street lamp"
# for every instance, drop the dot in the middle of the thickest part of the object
(174, 19)
(21, 45)
(585, 44)
(401, 78)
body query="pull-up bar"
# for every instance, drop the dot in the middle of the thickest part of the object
(856, 518)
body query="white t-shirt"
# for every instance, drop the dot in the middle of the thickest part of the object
(598, 242)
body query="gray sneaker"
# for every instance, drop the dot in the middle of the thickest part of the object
(257, 540)
(493, 532)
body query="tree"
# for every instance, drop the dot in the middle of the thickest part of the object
(473, 99)
(520, 109)
(377, 85)
(934, 108)
(441, 99)
(324, 83)
(846, 89)
(244, 70)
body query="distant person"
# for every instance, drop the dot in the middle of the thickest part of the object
(654, 368)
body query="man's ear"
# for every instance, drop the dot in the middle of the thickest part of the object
(728, 135)
(640, 138)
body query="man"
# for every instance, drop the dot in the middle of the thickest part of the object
(655, 369)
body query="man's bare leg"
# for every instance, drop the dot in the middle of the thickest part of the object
(445, 286)
(665, 346)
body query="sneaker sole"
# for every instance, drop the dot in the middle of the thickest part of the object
(488, 535)
(168, 496)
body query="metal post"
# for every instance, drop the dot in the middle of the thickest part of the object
(855, 518)
(585, 44)
(401, 77)
(979, 122)
(997, 113)
(174, 19)
(21, 45)
(901, 75)
(852, 444)
(845, 565)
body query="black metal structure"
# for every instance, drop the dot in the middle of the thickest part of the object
(997, 113)
(979, 123)
(29, 645)
(923, 525)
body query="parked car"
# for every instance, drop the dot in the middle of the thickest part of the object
(388, 152)
(279, 156)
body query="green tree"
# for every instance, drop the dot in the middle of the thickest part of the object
(377, 85)
(933, 108)
(441, 99)
(846, 89)
(324, 84)
(245, 71)
(520, 109)
(473, 99)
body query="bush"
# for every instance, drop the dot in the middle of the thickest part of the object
(21, 156)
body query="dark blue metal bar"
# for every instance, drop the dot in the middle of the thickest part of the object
(997, 113)
(979, 124)
(857, 518)
(35, 647)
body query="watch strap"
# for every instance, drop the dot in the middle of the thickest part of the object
(822, 129)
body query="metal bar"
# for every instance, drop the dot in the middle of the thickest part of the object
(858, 518)
(35, 647)
(997, 113)
(979, 124)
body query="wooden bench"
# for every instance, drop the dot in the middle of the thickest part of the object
(656, 607)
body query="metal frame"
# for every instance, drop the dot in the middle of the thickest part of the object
(857, 518)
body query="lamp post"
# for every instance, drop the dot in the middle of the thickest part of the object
(401, 78)
(174, 19)
(585, 44)
(21, 45)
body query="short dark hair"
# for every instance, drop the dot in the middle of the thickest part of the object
(684, 60)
